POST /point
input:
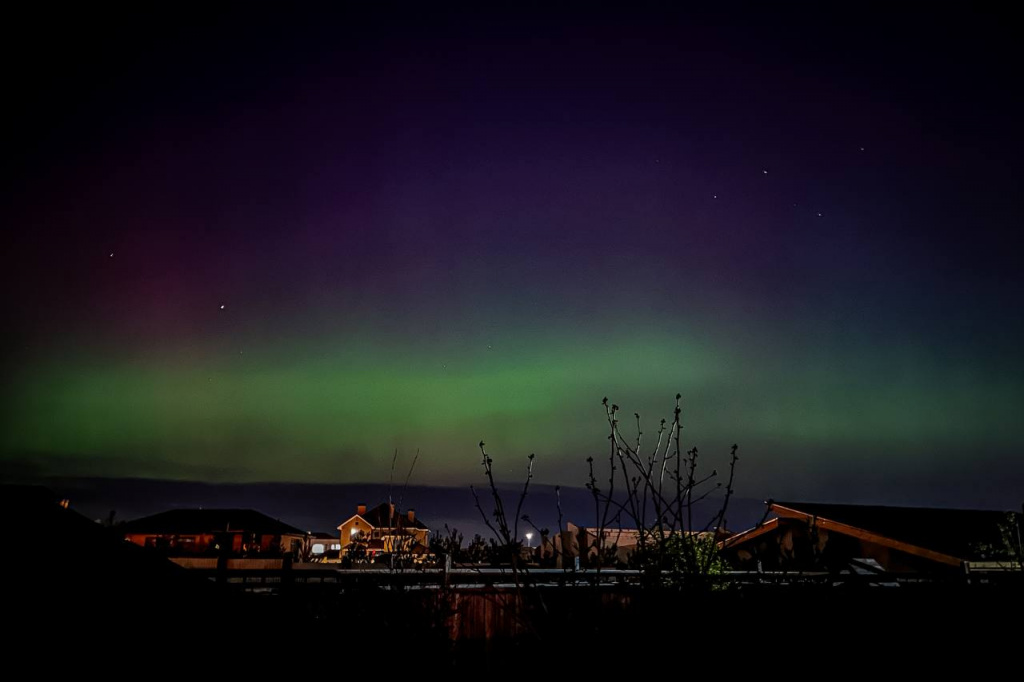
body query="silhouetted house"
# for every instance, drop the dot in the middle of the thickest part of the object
(213, 531)
(833, 537)
(383, 530)
(93, 584)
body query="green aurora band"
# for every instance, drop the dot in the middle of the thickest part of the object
(304, 414)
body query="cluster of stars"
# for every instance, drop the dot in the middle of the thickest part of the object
(764, 171)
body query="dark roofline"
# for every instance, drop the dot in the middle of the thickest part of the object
(749, 534)
(863, 534)
(944, 535)
(204, 521)
(401, 520)
(883, 507)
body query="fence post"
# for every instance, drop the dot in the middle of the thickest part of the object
(286, 573)
(222, 568)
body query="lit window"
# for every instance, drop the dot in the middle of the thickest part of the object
(318, 548)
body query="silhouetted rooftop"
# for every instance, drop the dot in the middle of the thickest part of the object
(961, 533)
(199, 521)
(378, 517)
(90, 577)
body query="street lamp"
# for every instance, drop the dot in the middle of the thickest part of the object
(529, 536)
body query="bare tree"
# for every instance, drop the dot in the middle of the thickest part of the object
(661, 489)
(505, 530)
(652, 494)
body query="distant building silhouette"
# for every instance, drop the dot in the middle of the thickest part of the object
(213, 531)
(834, 537)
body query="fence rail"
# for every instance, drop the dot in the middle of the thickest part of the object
(303, 575)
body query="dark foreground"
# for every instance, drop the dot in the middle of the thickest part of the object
(793, 627)
(96, 604)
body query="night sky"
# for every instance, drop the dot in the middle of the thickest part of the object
(245, 246)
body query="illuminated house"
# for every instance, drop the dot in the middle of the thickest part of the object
(382, 530)
(324, 547)
(214, 531)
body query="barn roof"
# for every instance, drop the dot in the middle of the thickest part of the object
(967, 534)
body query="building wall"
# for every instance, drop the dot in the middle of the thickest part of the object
(393, 542)
(567, 543)
(203, 543)
(350, 528)
(403, 541)
(198, 543)
(292, 543)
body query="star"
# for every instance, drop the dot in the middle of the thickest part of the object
(765, 171)
(819, 215)
(222, 306)
(862, 148)
(111, 254)
(714, 196)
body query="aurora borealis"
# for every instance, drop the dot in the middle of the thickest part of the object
(251, 247)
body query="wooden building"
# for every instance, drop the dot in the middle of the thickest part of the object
(833, 537)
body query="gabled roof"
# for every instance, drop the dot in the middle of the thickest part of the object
(750, 533)
(960, 534)
(201, 521)
(380, 517)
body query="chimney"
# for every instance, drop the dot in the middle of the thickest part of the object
(411, 514)
(361, 509)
